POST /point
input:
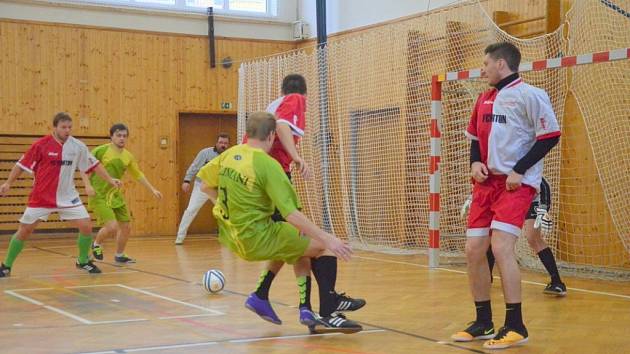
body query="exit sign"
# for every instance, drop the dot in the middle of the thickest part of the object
(226, 105)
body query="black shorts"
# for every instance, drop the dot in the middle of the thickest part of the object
(542, 199)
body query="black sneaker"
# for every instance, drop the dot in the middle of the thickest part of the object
(335, 323)
(346, 303)
(97, 251)
(124, 259)
(556, 289)
(89, 267)
(476, 330)
(5, 271)
(507, 337)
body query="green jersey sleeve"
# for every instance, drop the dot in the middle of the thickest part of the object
(134, 169)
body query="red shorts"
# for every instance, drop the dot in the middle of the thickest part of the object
(493, 207)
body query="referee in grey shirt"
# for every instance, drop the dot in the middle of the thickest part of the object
(198, 198)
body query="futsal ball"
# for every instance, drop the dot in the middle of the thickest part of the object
(213, 281)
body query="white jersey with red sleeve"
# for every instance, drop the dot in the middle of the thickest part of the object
(508, 122)
(289, 110)
(53, 165)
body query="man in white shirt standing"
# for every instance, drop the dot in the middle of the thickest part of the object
(197, 197)
(512, 127)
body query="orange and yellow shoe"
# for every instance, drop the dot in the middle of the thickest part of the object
(475, 331)
(507, 337)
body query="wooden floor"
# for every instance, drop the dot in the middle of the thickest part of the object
(159, 306)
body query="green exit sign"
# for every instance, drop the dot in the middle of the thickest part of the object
(226, 105)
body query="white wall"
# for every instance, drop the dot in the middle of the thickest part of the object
(278, 28)
(343, 15)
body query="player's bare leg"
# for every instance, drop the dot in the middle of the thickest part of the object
(275, 266)
(124, 229)
(24, 231)
(513, 331)
(503, 245)
(478, 271)
(110, 228)
(534, 236)
(122, 236)
(479, 282)
(107, 230)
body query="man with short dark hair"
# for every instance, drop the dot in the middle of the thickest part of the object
(108, 204)
(512, 127)
(53, 160)
(246, 185)
(197, 197)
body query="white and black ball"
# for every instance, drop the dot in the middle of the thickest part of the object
(213, 281)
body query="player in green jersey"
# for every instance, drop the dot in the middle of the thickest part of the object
(247, 185)
(107, 203)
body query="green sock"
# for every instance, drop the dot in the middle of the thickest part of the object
(84, 242)
(15, 247)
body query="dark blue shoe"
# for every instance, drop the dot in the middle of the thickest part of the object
(307, 317)
(262, 308)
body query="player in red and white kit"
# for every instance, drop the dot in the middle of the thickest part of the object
(512, 128)
(53, 160)
(290, 113)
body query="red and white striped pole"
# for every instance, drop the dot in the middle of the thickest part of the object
(434, 173)
(544, 64)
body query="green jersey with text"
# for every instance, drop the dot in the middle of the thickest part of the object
(116, 162)
(251, 185)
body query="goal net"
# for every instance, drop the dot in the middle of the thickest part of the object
(368, 127)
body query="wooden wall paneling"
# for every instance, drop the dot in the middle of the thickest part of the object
(102, 76)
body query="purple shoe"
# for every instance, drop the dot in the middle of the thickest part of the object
(262, 308)
(307, 317)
